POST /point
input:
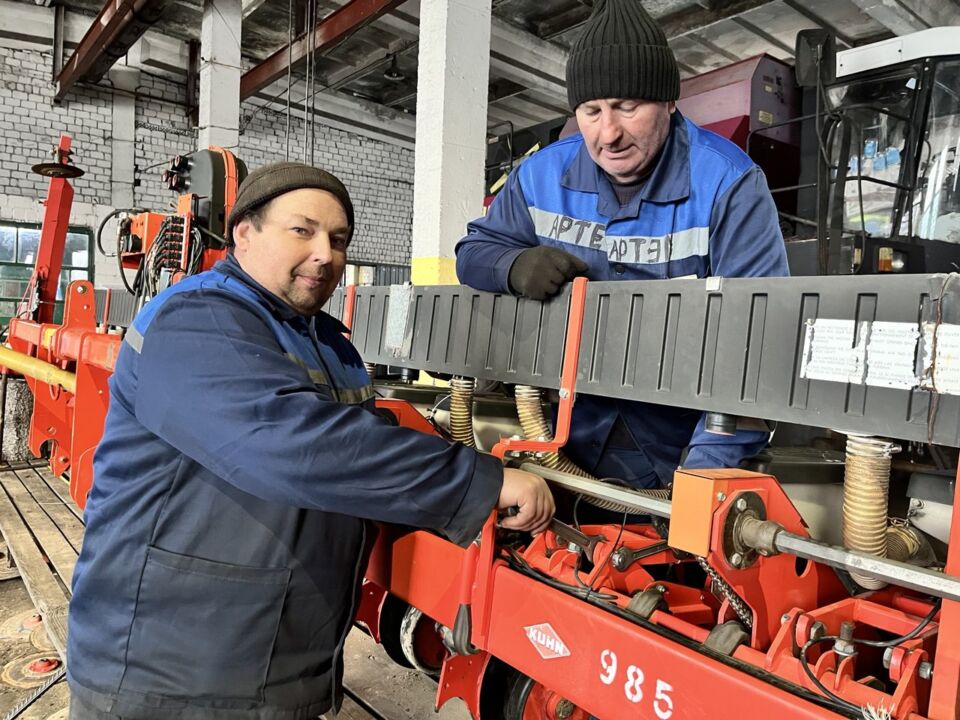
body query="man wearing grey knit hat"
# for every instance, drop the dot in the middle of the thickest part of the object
(240, 466)
(640, 193)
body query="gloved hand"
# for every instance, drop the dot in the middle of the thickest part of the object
(539, 272)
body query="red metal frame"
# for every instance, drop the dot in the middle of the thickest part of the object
(945, 692)
(79, 346)
(349, 305)
(53, 237)
(679, 679)
(568, 381)
(117, 19)
(331, 30)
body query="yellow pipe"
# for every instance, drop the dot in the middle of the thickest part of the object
(37, 369)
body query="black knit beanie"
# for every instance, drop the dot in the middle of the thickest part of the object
(621, 53)
(270, 181)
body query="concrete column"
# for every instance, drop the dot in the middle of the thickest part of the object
(123, 134)
(220, 70)
(453, 72)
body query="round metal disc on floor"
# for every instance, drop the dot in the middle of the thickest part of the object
(30, 671)
(57, 170)
(19, 626)
(41, 641)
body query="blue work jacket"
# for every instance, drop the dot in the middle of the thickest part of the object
(227, 524)
(704, 211)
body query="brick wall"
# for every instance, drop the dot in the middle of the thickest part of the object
(379, 175)
(30, 126)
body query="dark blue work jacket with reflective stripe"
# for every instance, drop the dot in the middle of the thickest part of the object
(226, 527)
(705, 210)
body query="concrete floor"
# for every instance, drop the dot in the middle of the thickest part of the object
(394, 692)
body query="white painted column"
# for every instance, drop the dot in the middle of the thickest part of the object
(123, 134)
(453, 73)
(220, 70)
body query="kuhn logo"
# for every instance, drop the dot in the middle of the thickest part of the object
(546, 641)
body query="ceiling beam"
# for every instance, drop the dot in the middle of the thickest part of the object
(685, 22)
(800, 9)
(339, 111)
(893, 14)
(515, 54)
(119, 25)
(365, 65)
(249, 7)
(764, 35)
(329, 32)
(674, 25)
(713, 47)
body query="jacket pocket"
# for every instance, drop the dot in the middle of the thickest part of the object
(203, 629)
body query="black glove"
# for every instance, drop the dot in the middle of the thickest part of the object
(539, 272)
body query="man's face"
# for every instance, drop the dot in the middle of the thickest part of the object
(300, 249)
(624, 136)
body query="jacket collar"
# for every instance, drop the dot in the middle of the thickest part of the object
(669, 182)
(231, 268)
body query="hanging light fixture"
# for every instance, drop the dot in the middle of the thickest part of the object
(393, 72)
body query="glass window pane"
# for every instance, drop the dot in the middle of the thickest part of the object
(8, 244)
(874, 128)
(76, 250)
(16, 272)
(8, 309)
(27, 246)
(937, 205)
(13, 288)
(77, 275)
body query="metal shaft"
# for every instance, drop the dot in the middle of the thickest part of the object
(892, 571)
(768, 535)
(636, 502)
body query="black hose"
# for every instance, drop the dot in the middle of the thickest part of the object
(103, 224)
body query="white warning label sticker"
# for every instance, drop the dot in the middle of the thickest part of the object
(892, 355)
(943, 373)
(832, 350)
(883, 354)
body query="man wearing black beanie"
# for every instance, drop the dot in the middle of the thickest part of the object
(640, 193)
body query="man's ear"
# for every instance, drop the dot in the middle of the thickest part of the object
(672, 107)
(242, 232)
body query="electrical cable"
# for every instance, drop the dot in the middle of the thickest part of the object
(606, 560)
(104, 222)
(520, 564)
(846, 705)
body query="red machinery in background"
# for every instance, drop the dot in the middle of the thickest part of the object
(67, 366)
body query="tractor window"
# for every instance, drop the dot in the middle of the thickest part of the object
(937, 202)
(19, 243)
(869, 134)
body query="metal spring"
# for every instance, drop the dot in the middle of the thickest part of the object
(461, 410)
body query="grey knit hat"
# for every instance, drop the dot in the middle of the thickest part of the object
(621, 53)
(271, 181)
